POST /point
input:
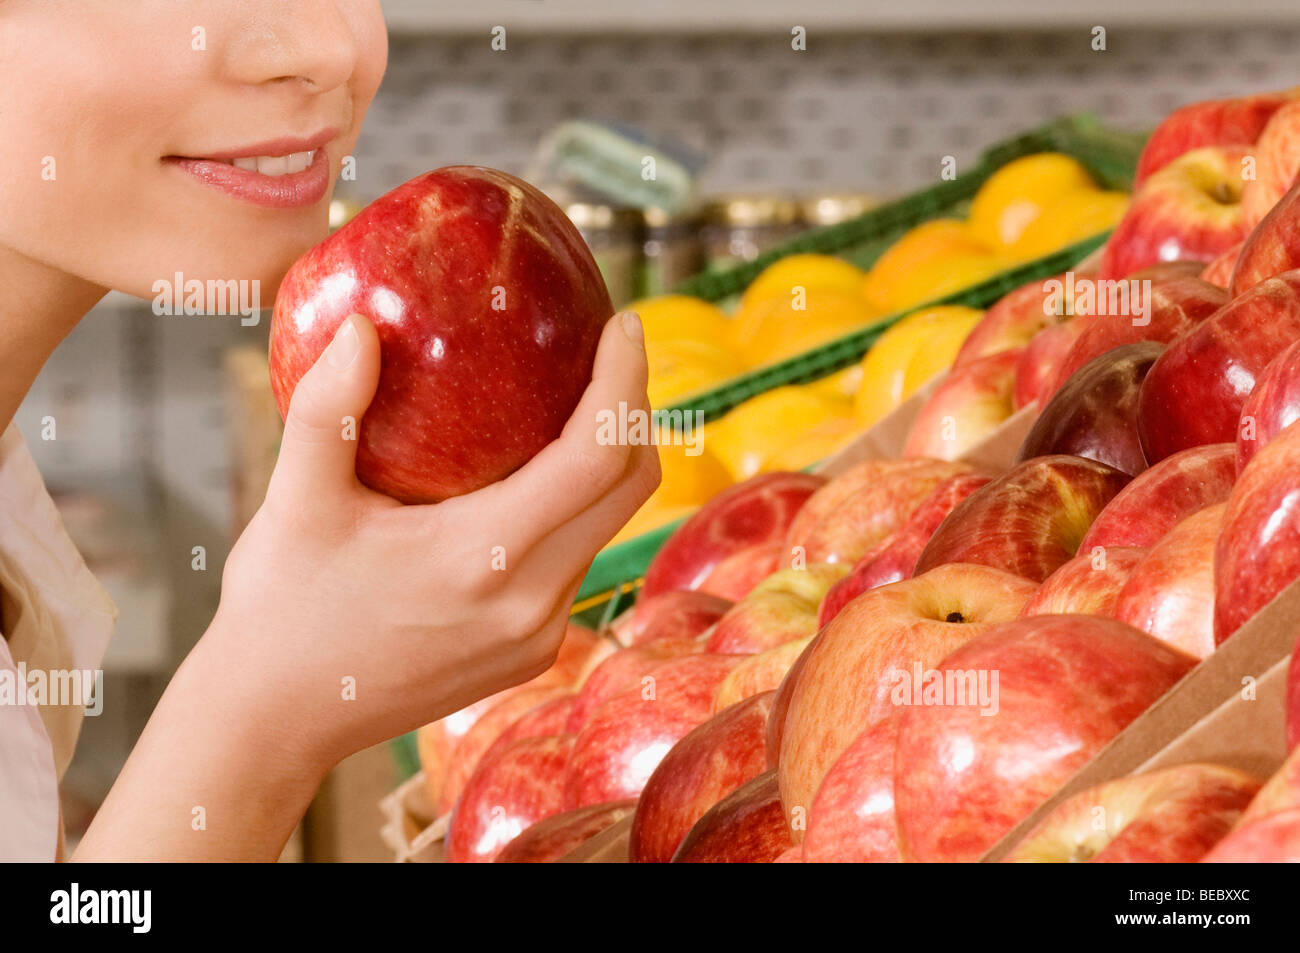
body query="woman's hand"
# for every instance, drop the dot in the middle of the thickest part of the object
(347, 618)
(370, 618)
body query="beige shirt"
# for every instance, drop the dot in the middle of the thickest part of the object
(56, 617)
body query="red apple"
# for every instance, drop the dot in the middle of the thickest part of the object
(968, 405)
(1094, 414)
(1189, 210)
(1040, 363)
(1149, 507)
(1172, 308)
(1029, 521)
(488, 307)
(1219, 272)
(1086, 585)
(1280, 793)
(675, 614)
(893, 559)
(1014, 320)
(621, 670)
(1196, 390)
(1273, 248)
(483, 733)
(745, 827)
(1066, 685)
(736, 575)
(515, 790)
(555, 837)
(1258, 553)
(1272, 406)
(852, 672)
(1272, 839)
(1277, 164)
(757, 511)
(852, 816)
(782, 608)
(549, 718)
(863, 506)
(1214, 122)
(1171, 816)
(1293, 701)
(704, 767)
(624, 740)
(757, 673)
(1170, 593)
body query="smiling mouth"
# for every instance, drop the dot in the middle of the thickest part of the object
(271, 165)
(288, 180)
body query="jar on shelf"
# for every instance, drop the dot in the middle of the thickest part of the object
(832, 208)
(615, 237)
(672, 251)
(739, 227)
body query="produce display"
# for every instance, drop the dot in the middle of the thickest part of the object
(901, 658)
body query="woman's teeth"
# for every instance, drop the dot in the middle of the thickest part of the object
(276, 165)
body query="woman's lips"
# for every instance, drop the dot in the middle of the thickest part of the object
(285, 181)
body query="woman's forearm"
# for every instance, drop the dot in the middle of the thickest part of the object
(215, 776)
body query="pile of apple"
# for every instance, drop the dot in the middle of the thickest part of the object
(902, 662)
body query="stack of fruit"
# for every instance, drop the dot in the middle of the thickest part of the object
(1028, 208)
(902, 662)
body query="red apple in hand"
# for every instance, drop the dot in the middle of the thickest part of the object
(488, 307)
(1170, 593)
(700, 770)
(757, 511)
(852, 671)
(1028, 521)
(1173, 308)
(1088, 584)
(675, 614)
(782, 608)
(1272, 406)
(852, 816)
(1272, 248)
(1214, 122)
(1066, 685)
(1277, 164)
(745, 827)
(1094, 414)
(507, 795)
(1272, 839)
(1258, 553)
(1172, 816)
(969, 404)
(624, 740)
(893, 559)
(1160, 497)
(1195, 392)
(1189, 210)
(555, 837)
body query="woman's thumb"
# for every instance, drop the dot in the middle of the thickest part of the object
(319, 448)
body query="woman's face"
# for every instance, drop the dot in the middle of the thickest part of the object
(141, 138)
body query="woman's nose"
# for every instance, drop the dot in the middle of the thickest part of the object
(308, 42)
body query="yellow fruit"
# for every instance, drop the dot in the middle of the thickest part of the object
(941, 278)
(673, 317)
(1020, 192)
(810, 272)
(691, 475)
(814, 445)
(940, 347)
(885, 380)
(762, 426)
(909, 268)
(1074, 217)
(773, 329)
(843, 384)
(679, 368)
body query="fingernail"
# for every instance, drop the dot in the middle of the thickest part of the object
(344, 348)
(632, 327)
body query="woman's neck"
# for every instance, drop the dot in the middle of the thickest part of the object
(39, 306)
